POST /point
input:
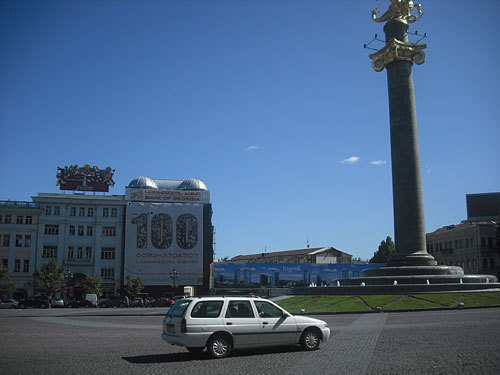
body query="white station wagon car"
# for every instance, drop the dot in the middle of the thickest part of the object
(222, 324)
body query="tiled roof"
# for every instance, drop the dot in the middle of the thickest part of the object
(310, 251)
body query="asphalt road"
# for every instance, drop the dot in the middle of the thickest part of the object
(127, 341)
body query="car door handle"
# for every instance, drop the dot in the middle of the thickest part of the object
(229, 323)
(265, 323)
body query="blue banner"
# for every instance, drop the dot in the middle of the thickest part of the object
(284, 275)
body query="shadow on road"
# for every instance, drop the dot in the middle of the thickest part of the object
(186, 356)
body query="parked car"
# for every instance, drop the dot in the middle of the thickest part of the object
(222, 324)
(57, 302)
(37, 301)
(162, 302)
(75, 303)
(138, 302)
(9, 304)
(115, 301)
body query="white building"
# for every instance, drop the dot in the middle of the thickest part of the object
(85, 234)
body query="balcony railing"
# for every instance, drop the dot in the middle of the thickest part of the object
(19, 204)
(76, 261)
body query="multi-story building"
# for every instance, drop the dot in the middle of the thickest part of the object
(85, 234)
(473, 244)
(158, 229)
(18, 237)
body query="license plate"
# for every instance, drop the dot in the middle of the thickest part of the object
(170, 328)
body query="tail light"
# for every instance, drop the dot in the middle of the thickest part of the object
(183, 325)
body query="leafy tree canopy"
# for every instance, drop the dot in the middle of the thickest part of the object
(51, 277)
(385, 251)
(134, 286)
(93, 285)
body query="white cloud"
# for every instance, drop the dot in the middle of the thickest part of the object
(252, 148)
(351, 160)
(378, 162)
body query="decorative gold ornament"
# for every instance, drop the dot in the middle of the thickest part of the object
(396, 50)
(399, 9)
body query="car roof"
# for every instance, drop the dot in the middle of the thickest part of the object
(239, 298)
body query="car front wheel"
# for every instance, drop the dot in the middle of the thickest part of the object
(219, 346)
(310, 339)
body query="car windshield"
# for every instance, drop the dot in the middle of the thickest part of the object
(178, 309)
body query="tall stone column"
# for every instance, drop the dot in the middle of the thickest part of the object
(397, 57)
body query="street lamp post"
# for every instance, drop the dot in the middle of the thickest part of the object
(68, 275)
(174, 275)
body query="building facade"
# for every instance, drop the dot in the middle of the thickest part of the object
(474, 244)
(85, 234)
(320, 255)
(18, 238)
(158, 228)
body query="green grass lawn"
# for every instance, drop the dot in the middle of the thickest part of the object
(312, 304)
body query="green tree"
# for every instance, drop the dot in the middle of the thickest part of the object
(93, 285)
(134, 286)
(385, 251)
(7, 284)
(51, 277)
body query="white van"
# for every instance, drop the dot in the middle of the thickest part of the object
(92, 298)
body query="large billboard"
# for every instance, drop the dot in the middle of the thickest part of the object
(284, 275)
(85, 178)
(161, 238)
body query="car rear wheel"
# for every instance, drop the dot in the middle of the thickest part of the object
(310, 339)
(219, 346)
(195, 349)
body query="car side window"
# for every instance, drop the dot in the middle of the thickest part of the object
(267, 310)
(206, 309)
(239, 309)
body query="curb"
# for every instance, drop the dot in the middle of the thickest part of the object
(396, 311)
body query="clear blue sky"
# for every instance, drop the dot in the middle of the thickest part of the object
(263, 100)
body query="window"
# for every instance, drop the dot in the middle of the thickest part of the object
(240, 309)
(483, 241)
(105, 212)
(81, 211)
(71, 230)
(90, 230)
(51, 229)
(26, 265)
(79, 252)
(29, 219)
(207, 309)
(72, 211)
(6, 239)
(8, 219)
(467, 243)
(90, 211)
(19, 219)
(114, 212)
(49, 252)
(88, 252)
(108, 273)
(57, 211)
(27, 240)
(71, 252)
(109, 231)
(267, 310)
(472, 242)
(19, 240)
(5, 262)
(490, 242)
(17, 265)
(48, 210)
(80, 230)
(108, 253)
(1, 218)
